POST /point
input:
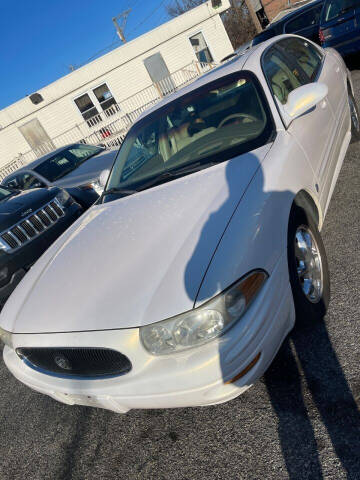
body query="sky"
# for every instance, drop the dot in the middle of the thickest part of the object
(40, 39)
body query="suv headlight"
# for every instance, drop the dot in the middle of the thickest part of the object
(63, 197)
(203, 324)
(6, 337)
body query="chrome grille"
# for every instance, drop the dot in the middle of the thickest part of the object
(32, 226)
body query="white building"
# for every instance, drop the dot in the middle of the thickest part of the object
(97, 102)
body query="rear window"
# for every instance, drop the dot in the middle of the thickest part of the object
(218, 121)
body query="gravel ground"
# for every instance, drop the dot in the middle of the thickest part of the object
(301, 421)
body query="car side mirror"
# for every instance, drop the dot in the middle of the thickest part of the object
(303, 99)
(104, 177)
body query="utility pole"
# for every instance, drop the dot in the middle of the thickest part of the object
(253, 15)
(119, 22)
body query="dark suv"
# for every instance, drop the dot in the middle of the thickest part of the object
(302, 21)
(30, 221)
(340, 26)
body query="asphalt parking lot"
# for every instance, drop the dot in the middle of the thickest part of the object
(301, 421)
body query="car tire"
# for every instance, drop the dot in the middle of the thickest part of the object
(355, 118)
(308, 267)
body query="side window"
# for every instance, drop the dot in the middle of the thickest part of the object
(304, 20)
(11, 183)
(306, 55)
(26, 181)
(280, 75)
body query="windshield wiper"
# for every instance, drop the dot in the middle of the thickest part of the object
(119, 191)
(163, 177)
(175, 173)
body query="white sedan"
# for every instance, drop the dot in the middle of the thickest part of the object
(178, 288)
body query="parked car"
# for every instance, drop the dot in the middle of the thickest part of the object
(30, 221)
(178, 287)
(77, 168)
(340, 26)
(303, 21)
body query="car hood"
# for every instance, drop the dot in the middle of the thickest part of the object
(88, 171)
(134, 261)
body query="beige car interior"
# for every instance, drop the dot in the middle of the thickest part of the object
(178, 138)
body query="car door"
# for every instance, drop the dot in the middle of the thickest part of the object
(306, 24)
(313, 129)
(340, 27)
(324, 67)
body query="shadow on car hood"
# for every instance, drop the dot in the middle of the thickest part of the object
(126, 263)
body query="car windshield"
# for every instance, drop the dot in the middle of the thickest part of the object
(64, 162)
(4, 193)
(223, 119)
(335, 8)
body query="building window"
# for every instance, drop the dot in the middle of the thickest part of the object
(97, 100)
(105, 99)
(201, 49)
(86, 106)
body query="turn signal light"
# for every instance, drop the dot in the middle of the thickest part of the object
(246, 369)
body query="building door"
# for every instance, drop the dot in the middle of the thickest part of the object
(159, 73)
(36, 136)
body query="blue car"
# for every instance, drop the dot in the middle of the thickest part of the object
(340, 25)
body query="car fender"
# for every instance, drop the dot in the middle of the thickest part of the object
(256, 236)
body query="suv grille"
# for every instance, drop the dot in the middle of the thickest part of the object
(76, 362)
(32, 226)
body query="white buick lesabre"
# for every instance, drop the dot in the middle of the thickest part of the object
(179, 286)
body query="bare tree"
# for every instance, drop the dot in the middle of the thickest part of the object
(237, 20)
(238, 23)
(178, 7)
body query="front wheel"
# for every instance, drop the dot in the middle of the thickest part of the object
(355, 123)
(308, 267)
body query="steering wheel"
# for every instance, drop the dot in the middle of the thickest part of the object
(234, 116)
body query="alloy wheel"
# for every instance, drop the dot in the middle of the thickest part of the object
(308, 264)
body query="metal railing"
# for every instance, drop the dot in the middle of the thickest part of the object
(110, 126)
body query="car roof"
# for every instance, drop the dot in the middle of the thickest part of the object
(293, 12)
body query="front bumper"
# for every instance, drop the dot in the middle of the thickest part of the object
(195, 377)
(19, 262)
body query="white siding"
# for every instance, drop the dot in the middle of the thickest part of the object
(122, 69)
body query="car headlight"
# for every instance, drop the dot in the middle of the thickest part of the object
(6, 337)
(63, 197)
(203, 324)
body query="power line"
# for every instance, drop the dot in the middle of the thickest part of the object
(149, 16)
